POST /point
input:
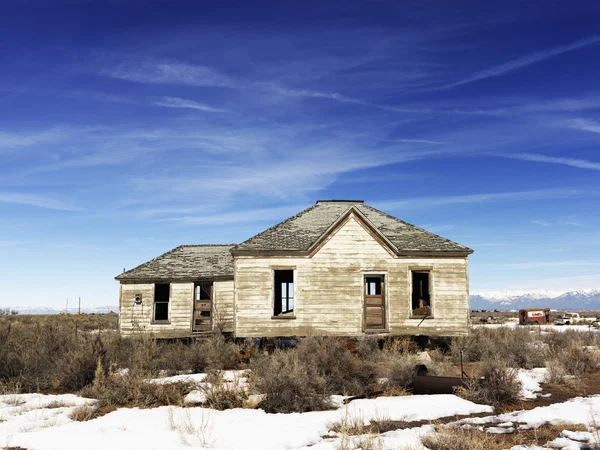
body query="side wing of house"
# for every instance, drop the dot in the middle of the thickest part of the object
(184, 292)
(351, 282)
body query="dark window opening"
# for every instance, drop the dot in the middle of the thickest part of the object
(421, 297)
(161, 302)
(373, 285)
(284, 292)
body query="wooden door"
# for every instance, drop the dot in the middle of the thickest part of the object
(203, 307)
(374, 311)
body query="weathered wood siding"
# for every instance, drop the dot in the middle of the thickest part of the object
(138, 318)
(223, 307)
(329, 289)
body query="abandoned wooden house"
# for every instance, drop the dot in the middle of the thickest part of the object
(338, 267)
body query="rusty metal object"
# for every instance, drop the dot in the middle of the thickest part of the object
(423, 384)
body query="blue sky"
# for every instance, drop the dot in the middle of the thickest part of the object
(128, 128)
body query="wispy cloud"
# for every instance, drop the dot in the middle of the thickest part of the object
(35, 200)
(175, 102)
(203, 76)
(171, 73)
(542, 264)
(562, 223)
(427, 202)
(573, 162)
(583, 125)
(524, 61)
(11, 140)
(244, 216)
(419, 141)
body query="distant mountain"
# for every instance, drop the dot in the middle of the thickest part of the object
(587, 299)
(48, 310)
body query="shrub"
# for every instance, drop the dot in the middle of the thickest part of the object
(570, 359)
(219, 353)
(344, 371)
(515, 346)
(402, 369)
(84, 413)
(222, 395)
(499, 385)
(290, 382)
(132, 390)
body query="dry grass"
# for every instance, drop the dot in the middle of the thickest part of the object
(352, 424)
(458, 438)
(192, 433)
(57, 404)
(84, 413)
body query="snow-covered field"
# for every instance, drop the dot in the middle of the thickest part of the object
(42, 422)
(35, 427)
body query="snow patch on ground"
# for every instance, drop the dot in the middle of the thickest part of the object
(579, 410)
(248, 429)
(530, 381)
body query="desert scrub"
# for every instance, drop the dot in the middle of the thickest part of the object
(571, 360)
(516, 347)
(289, 382)
(499, 385)
(345, 371)
(132, 390)
(220, 394)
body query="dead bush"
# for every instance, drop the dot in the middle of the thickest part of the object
(84, 413)
(220, 394)
(515, 346)
(219, 353)
(499, 386)
(570, 361)
(290, 382)
(401, 371)
(400, 344)
(50, 354)
(132, 390)
(344, 371)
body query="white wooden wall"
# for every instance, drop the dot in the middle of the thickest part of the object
(329, 290)
(138, 318)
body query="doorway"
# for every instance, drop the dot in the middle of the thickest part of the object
(374, 309)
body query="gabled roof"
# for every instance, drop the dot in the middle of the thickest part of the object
(186, 262)
(300, 233)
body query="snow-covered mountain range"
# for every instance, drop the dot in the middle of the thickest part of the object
(586, 299)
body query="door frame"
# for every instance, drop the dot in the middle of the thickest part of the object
(212, 305)
(384, 295)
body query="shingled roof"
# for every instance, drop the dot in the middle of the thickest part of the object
(302, 231)
(186, 262)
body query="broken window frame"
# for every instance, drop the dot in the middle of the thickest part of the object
(161, 301)
(420, 314)
(284, 305)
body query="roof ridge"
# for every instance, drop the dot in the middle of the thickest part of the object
(280, 223)
(207, 245)
(414, 226)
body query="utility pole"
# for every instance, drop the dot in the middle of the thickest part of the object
(79, 305)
